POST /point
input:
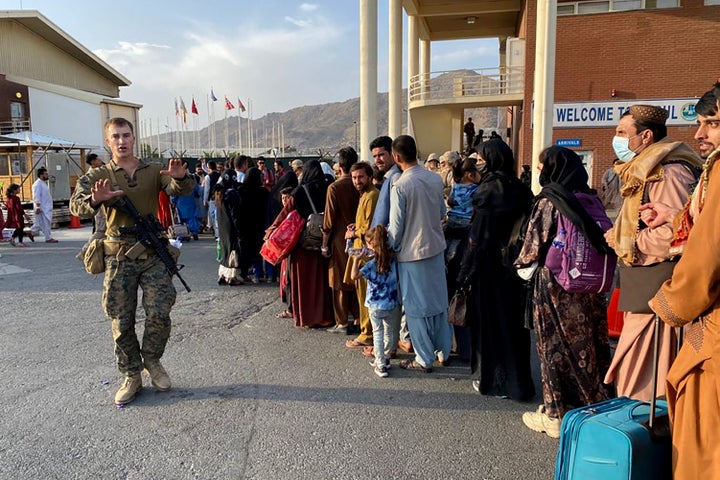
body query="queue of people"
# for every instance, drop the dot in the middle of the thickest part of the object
(429, 232)
(468, 219)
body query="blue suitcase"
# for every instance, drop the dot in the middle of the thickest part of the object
(612, 440)
(617, 439)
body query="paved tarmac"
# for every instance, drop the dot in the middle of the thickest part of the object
(253, 397)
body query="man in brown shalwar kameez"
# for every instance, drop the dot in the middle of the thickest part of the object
(691, 298)
(340, 207)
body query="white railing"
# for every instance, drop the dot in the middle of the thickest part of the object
(14, 126)
(457, 84)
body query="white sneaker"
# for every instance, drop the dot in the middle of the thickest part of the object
(373, 363)
(540, 422)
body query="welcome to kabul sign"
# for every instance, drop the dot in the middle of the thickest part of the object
(681, 112)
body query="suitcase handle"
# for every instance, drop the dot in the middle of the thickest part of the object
(656, 357)
(632, 415)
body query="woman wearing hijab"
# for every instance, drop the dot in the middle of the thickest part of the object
(500, 343)
(571, 328)
(229, 220)
(254, 199)
(311, 296)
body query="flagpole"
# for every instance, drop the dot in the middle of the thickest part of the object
(227, 141)
(239, 134)
(248, 137)
(157, 138)
(207, 105)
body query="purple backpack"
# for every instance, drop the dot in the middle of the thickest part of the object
(572, 259)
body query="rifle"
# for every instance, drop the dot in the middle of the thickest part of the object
(149, 233)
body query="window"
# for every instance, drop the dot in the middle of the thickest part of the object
(712, 2)
(605, 6)
(566, 9)
(17, 110)
(621, 5)
(593, 7)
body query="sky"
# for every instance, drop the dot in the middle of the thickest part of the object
(273, 54)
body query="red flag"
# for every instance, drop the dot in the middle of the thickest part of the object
(193, 107)
(177, 110)
(228, 105)
(240, 105)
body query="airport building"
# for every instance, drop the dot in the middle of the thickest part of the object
(607, 55)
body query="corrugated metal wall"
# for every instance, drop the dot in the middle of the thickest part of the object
(26, 54)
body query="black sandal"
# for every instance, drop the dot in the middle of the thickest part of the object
(413, 365)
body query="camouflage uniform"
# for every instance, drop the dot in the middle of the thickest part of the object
(124, 275)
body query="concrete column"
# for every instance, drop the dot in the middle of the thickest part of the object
(395, 102)
(368, 76)
(412, 60)
(544, 82)
(425, 66)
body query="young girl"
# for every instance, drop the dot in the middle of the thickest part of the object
(382, 297)
(16, 216)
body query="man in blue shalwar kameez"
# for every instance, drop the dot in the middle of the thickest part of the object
(415, 233)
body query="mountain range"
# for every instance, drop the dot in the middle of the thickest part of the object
(309, 129)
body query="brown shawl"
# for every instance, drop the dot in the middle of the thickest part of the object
(635, 175)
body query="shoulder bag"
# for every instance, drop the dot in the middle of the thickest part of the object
(457, 312)
(312, 235)
(638, 284)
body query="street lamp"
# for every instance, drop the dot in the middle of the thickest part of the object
(356, 135)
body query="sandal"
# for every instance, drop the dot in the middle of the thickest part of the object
(413, 365)
(284, 314)
(355, 344)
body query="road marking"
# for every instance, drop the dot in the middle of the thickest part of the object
(7, 269)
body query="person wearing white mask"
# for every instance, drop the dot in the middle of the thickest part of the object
(656, 169)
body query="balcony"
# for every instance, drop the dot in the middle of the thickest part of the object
(14, 126)
(470, 88)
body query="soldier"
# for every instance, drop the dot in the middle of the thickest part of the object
(127, 264)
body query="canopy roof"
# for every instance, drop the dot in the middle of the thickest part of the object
(35, 139)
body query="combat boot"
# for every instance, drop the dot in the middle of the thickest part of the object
(129, 388)
(158, 376)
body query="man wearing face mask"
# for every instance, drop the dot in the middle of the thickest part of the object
(656, 169)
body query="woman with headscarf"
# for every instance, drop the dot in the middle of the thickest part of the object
(254, 199)
(500, 343)
(276, 214)
(311, 295)
(229, 219)
(571, 328)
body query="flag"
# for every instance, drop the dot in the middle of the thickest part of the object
(183, 110)
(240, 105)
(177, 111)
(228, 105)
(212, 95)
(193, 107)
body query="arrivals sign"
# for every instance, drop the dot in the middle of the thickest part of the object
(681, 111)
(568, 142)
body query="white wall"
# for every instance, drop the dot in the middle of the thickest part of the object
(68, 118)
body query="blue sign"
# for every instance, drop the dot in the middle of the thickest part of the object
(568, 142)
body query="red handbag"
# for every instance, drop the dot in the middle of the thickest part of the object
(283, 239)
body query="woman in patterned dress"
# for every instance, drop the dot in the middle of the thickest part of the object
(571, 328)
